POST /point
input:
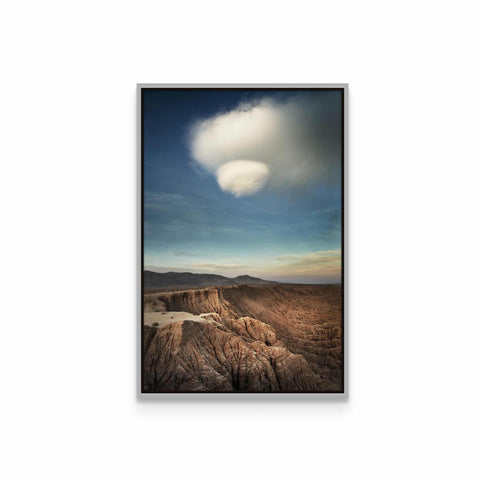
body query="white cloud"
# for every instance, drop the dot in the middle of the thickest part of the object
(322, 262)
(282, 144)
(242, 177)
(218, 267)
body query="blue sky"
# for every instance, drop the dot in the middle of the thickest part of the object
(285, 231)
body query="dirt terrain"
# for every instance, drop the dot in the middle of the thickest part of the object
(256, 338)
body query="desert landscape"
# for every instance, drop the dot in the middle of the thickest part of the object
(250, 337)
(242, 236)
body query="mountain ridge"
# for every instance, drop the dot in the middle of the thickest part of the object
(188, 279)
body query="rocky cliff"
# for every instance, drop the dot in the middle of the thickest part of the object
(254, 338)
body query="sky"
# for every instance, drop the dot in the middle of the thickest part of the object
(243, 182)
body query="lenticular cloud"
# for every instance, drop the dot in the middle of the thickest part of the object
(242, 177)
(288, 144)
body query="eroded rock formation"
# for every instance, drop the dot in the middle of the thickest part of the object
(255, 338)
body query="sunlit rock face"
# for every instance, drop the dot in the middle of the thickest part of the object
(259, 338)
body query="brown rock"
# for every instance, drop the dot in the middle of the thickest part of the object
(258, 339)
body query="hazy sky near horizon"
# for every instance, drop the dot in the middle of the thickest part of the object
(243, 182)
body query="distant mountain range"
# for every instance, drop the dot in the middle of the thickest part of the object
(187, 279)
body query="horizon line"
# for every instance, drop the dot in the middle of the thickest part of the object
(339, 282)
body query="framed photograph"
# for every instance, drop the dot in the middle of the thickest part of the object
(242, 238)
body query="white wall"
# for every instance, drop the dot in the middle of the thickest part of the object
(67, 186)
